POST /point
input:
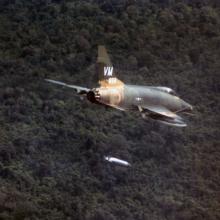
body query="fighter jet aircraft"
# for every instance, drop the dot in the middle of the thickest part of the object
(158, 103)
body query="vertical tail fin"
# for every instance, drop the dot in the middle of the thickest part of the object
(106, 73)
(105, 67)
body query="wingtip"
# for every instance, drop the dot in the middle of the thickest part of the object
(48, 80)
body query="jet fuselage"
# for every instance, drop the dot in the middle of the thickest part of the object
(128, 97)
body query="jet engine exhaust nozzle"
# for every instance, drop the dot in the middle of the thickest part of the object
(93, 96)
(97, 95)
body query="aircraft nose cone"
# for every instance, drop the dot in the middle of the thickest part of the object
(187, 107)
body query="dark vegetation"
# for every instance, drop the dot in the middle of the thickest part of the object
(52, 144)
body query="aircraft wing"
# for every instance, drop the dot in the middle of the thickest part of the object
(160, 110)
(80, 90)
(164, 115)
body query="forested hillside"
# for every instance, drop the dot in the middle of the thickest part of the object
(52, 143)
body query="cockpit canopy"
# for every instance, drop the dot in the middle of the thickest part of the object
(165, 89)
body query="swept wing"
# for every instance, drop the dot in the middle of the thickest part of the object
(80, 90)
(164, 115)
(160, 110)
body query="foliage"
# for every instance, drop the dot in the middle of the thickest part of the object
(52, 144)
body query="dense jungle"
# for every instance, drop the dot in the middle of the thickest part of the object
(52, 143)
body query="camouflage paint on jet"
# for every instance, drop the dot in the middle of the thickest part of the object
(159, 103)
